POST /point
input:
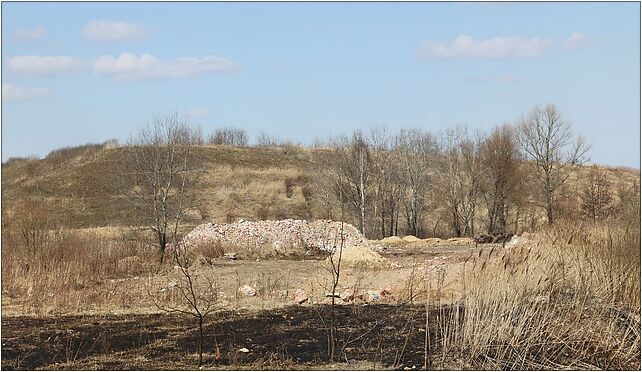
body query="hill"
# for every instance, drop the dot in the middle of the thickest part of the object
(77, 187)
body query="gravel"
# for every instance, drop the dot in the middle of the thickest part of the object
(320, 234)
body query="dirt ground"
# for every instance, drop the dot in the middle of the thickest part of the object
(278, 333)
(371, 336)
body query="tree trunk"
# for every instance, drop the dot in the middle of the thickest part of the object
(200, 340)
(162, 244)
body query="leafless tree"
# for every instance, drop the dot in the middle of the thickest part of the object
(460, 176)
(159, 171)
(500, 179)
(266, 140)
(416, 149)
(198, 292)
(353, 163)
(385, 182)
(228, 136)
(547, 141)
(597, 196)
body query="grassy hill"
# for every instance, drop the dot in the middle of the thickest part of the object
(77, 186)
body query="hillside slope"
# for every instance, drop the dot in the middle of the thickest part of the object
(77, 187)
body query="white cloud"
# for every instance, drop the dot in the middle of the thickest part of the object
(197, 113)
(104, 30)
(498, 47)
(576, 40)
(45, 65)
(34, 34)
(12, 92)
(129, 66)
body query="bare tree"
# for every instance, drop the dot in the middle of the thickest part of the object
(354, 165)
(597, 196)
(460, 179)
(415, 149)
(228, 136)
(500, 179)
(198, 292)
(386, 186)
(159, 171)
(547, 141)
(266, 140)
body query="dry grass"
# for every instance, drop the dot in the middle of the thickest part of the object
(569, 299)
(61, 270)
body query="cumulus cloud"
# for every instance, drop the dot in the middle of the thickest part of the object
(12, 92)
(465, 46)
(45, 65)
(104, 30)
(129, 66)
(34, 34)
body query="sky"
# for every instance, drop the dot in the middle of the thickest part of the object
(74, 73)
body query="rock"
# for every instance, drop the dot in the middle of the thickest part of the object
(244, 350)
(347, 295)
(300, 296)
(248, 291)
(386, 291)
(335, 294)
(231, 256)
(374, 296)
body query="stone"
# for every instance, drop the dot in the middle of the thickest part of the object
(347, 295)
(244, 350)
(374, 296)
(300, 296)
(231, 256)
(248, 291)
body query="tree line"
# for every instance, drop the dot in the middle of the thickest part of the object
(409, 182)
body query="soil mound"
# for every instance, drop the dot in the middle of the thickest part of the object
(361, 255)
(298, 234)
(392, 240)
(410, 238)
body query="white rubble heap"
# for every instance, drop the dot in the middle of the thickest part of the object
(320, 234)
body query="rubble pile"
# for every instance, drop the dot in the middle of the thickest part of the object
(321, 234)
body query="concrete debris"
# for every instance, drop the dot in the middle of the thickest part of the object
(347, 295)
(278, 234)
(515, 241)
(248, 291)
(374, 296)
(300, 296)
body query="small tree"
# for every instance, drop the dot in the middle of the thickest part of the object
(597, 197)
(198, 292)
(547, 141)
(159, 171)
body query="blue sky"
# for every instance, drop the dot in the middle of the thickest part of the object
(86, 72)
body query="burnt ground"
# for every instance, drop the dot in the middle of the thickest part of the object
(384, 336)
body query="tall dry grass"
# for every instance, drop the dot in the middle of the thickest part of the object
(60, 270)
(567, 298)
